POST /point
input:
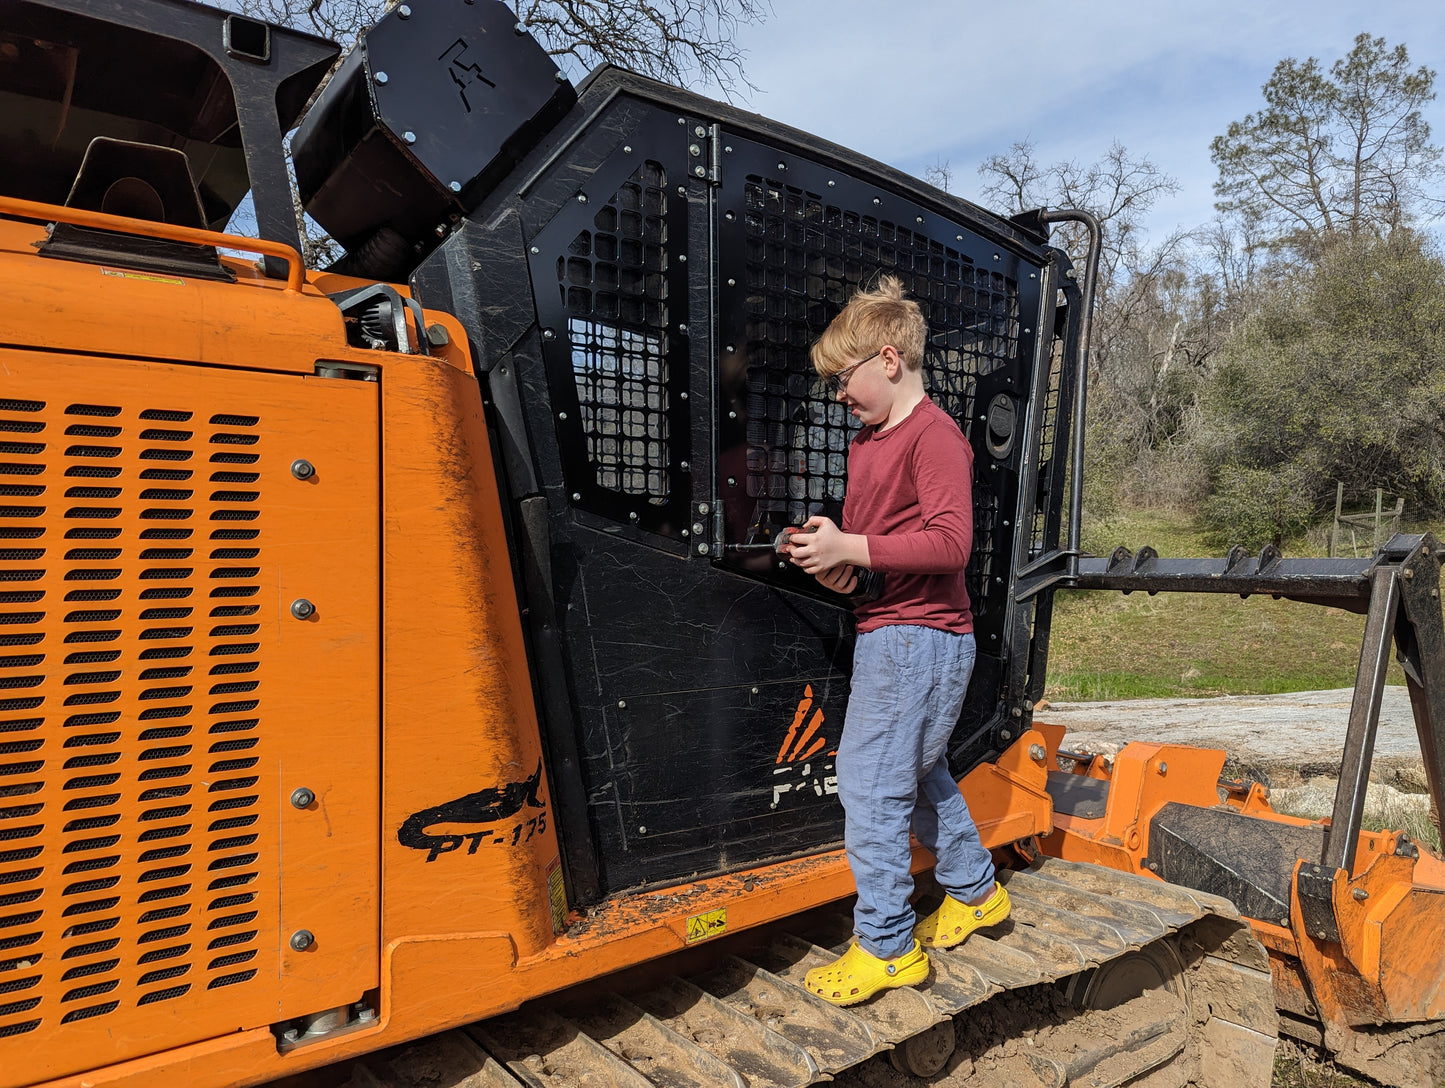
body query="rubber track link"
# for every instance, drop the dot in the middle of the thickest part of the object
(1080, 937)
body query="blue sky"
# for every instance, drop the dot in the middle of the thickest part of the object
(915, 81)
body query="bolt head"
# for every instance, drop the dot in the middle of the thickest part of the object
(1163, 768)
(302, 939)
(621, 704)
(702, 549)
(581, 198)
(1360, 894)
(560, 77)
(302, 469)
(302, 798)
(627, 149)
(699, 171)
(576, 496)
(302, 609)
(1036, 751)
(1006, 734)
(404, 11)
(409, 137)
(381, 79)
(704, 509)
(454, 186)
(699, 132)
(437, 335)
(548, 334)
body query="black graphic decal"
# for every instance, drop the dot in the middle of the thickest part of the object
(463, 75)
(487, 806)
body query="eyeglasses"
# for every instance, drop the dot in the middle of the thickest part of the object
(838, 383)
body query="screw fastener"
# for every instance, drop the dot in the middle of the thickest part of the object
(1036, 751)
(302, 609)
(302, 939)
(302, 798)
(302, 469)
(1360, 894)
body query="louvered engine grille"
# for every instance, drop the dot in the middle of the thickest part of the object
(131, 545)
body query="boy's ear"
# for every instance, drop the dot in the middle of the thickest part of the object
(892, 361)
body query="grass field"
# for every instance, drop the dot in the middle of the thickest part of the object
(1112, 646)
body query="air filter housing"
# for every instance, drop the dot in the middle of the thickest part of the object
(434, 103)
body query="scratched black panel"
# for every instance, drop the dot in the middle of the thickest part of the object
(692, 701)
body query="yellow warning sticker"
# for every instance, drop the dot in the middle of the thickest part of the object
(147, 277)
(701, 927)
(557, 894)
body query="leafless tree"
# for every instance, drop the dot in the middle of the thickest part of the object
(939, 175)
(689, 43)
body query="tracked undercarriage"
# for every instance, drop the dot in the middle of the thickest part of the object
(1099, 978)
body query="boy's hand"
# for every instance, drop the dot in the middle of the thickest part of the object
(821, 546)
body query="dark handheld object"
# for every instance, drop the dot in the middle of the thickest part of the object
(869, 586)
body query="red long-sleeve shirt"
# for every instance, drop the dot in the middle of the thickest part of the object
(910, 491)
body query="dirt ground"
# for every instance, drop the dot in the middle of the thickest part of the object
(1298, 728)
(1292, 743)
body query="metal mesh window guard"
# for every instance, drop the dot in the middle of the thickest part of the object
(804, 257)
(622, 393)
(613, 283)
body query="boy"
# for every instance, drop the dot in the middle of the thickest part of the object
(909, 513)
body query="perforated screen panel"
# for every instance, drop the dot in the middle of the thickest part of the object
(616, 368)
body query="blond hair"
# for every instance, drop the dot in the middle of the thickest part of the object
(873, 319)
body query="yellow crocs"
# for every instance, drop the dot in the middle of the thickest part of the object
(857, 974)
(951, 923)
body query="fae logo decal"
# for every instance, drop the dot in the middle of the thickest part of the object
(489, 806)
(802, 748)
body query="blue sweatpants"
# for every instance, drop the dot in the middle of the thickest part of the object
(907, 691)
